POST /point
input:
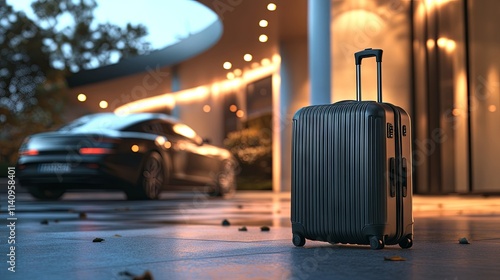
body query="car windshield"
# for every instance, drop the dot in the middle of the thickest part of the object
(93, 122)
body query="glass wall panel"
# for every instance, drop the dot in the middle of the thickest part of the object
(441, 141)
(484, 21)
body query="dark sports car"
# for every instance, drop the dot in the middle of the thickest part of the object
(140, 154)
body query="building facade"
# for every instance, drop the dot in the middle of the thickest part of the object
(263, 60)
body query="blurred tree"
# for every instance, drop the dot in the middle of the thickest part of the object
(37, 55)
(252, 147)
(85, 45)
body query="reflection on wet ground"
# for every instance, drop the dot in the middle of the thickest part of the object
(181, 236)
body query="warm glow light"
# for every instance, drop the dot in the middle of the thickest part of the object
(276, 58)
(167, 145)
(81, 97)
(431, 43)
(199, 94)
(265, 61)
(263, 23)
(230, 76)
(442, 42)
(351, 21)
(450, 45)
(271, 7)
(227, 65)
(134, 148)
(431, 3)
(192, 94)
(257, 72)
(447, 44)
(230, 85)
(240, 113)
(247, 57)
(233, 108)
(206, 108)
(184, 130)
(263, 38)
(492, 108)
(160, 140)
(103, 104)
(147, 104)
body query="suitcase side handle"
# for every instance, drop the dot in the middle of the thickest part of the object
(358, 56)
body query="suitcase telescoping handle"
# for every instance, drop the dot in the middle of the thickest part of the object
(377, 53)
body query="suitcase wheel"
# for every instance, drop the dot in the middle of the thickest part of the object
(298, 240)
(406, 242)
(376, 242)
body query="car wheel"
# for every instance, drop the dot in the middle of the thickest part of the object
(46, 193)
(151, 179)
(225, 184)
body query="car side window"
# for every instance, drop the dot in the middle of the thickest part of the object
(147, 127)
(167, 129)
(153, 127)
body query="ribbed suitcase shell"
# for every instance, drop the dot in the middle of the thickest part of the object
(342, 191)
(351, 170)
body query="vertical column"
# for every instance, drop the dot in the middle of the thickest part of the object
(289, 95)
(176, 86)
(319, 20)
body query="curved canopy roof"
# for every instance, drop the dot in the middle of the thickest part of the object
(170, 55)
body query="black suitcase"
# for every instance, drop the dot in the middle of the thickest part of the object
(351, 171)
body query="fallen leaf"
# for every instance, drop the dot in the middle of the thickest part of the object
(117, 235)
(243, 228)
(146, 276)
(394, 258)
(226, 223)
(240, 206)
(265, 228)
(44, 222)
(126, 273)
(56, 221)
(97, 239)
(82, 215)
(463, 240)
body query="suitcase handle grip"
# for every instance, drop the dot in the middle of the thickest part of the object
(377, 53)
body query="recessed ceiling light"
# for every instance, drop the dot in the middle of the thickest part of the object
(271, 7)
(263, 38)
(103, 104)
(81, 97)
(227, 65)
(247, 57)
(263, 23)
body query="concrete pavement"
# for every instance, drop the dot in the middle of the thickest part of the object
(181, 237)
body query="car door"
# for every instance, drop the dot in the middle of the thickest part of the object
(198, 162)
